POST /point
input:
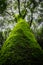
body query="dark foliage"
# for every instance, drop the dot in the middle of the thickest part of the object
(3, 5)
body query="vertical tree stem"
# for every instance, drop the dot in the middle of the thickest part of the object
(19, 7)
(31, 19)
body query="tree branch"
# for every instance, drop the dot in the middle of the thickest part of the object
(31, 19)
(19, 7)
(25, 9)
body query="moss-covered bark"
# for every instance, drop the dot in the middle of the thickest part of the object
(21, 48)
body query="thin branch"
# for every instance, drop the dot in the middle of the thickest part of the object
(31, 19)
(12, 15)
(19, 6)
(8, 13)
(25, 9)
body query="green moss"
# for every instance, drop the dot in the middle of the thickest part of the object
(20, 48)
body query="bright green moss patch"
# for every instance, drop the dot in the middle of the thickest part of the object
(20, 48)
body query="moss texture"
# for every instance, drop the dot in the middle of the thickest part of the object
(21, 48)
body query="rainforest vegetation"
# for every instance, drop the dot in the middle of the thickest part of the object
(21, 32)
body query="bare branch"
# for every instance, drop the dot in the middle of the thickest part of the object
(19, 6)
(25, 9)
